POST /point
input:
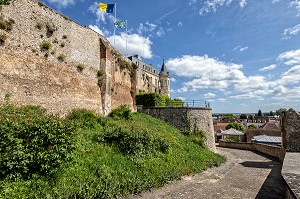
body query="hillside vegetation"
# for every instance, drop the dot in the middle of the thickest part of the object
(88, 156)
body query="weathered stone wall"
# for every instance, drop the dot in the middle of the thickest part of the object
(185, 117)
(35, 75)
(250, 133)
(291, 131)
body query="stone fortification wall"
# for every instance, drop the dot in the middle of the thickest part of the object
(274, 151)
(40, 59)
(183, 117)
(250, 133)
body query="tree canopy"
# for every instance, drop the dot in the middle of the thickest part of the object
(235, 125)
(259, 113)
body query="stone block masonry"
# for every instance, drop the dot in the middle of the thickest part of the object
(40, 57)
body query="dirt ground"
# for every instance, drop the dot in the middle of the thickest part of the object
(246, 174)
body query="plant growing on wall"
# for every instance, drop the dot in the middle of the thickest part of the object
(99, 78)
(61, 57)
(45, 45)
(5, 2)
(3, 37)
(6, 24)
(39, 25)
(80, 67)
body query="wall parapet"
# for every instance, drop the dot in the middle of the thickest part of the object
(274, 151)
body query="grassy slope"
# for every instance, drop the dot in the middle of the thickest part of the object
(100, 170)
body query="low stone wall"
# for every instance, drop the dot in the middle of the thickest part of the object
(291, 174)
(184, 118)
(274, 151)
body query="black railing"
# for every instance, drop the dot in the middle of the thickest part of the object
(188, 103)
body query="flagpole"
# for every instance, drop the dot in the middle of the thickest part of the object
(115, 24)
(126, 39)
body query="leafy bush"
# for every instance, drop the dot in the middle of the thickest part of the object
(122, 112)
(150, 99)
(134, 142)
(5, 2)
(45, 45)
(80, 67)
(84, 118)
(235, 125)
(3, 37)
(61, 57)
(6, 24)
(39, 25)
(31, 142)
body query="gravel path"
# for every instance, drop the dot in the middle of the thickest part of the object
(246, 174)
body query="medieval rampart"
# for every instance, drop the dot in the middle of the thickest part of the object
(50, 60)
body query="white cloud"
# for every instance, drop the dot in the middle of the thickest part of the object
(209, 95)
(221, 100)
(275, 1)
(136, 44)
(62, 3)
(173, 79)
(290, 57)
(146, 27)
(160, 32)
(179, 24)
(212, 5)
(266, 68)
(291, 31)
(291, 76)
(243, 3)
(288, 94)
(296, 4)
(243, 49)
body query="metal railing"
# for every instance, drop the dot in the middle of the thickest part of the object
(188, 103)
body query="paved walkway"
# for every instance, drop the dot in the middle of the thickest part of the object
(245, 175)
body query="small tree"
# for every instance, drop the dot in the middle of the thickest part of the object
(271, 113)
(259, 113)
(235, 125)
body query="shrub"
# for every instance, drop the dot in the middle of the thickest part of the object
(80, 67)
(99, 78)
(136, 142)
(61, 57)
(150, 99)
(235, 125)
(5, 2)
(84, 118)
(39, 25)
(31, 142)
(45, 45)
(6, 24)
(41, 3)
(3, 24)
(122, 112)
(3, 37)
(64, 36)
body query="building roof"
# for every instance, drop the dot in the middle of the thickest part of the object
(232, 131)
(164, 70)
(267, 139)
(272, 125)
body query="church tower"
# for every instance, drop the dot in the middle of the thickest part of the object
(164, 81)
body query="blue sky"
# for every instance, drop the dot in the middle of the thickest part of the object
(239, 55)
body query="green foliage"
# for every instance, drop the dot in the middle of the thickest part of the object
(45, 46)
(133, 141)
(6, 24)
(100, 73)
(3, 37)
(84, 118)
(80, 67)
(61, 57)
(236, 125)
(32, 143)
(7, 97)
(280, 111)
(150, 99)
(122, 112)
(41, 3)
(116, 158)
(252, 126)
(259, 113)
(39, 25)
(5, 2)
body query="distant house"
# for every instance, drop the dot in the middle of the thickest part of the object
(232, 133)
(271, 125)
(265, 139)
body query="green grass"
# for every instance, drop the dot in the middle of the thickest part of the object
(101, 168)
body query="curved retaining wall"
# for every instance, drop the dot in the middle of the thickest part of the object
(183, 117)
